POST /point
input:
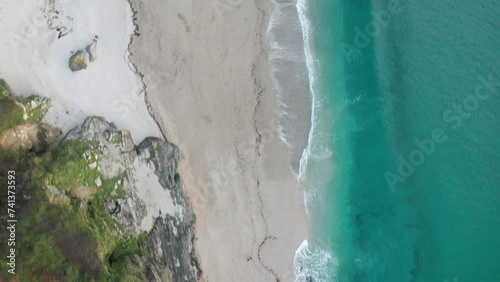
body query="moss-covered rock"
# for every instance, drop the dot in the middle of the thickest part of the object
(19, 120)
(79, 61)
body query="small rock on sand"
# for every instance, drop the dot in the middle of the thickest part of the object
(92, 51)
(79, 61)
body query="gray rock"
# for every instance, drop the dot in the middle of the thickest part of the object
(92, 129)
(98, 182)
(113, 207)
(92, 51)
(170, 242)
(171, 258)
(79, 61)
(166, 157)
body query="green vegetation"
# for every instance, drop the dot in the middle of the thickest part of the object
(19, 111)
(43, 137)
(69, 236)
(65, 232)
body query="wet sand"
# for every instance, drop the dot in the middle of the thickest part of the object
(204, 64)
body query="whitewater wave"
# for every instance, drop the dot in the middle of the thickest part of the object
(294, 76)
(312, 66)
(289, 75)
(312, 262)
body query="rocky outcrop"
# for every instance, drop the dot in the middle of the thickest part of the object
(95, 206)
(79, 61)
(170, 235)
(153, 199)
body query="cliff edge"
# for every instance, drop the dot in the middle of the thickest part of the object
(93, 206)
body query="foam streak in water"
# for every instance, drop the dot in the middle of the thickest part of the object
(290, 78)
(311, 261)
(294, 75)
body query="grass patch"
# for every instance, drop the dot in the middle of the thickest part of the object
(77, 240)
(11, 115)
(17, 111)
(67, 167)
(53, 243)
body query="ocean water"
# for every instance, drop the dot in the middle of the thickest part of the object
(402, 161)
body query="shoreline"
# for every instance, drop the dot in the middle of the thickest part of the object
(287, 59)
(297, 125)
(151, 110)
(247, 200)
(198, 75)
(315, 255)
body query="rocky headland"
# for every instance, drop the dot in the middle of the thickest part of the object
(92, 205)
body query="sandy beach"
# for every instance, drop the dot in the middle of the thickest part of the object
(195, 72)
(35, 61)
(206, 70)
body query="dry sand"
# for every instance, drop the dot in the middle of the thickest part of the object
(206, 71)
(33, 60)
(205, 67)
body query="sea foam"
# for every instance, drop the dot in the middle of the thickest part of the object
(294, 76)
(290, 79)
(311, 262)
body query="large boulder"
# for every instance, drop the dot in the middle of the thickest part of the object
(79, 61)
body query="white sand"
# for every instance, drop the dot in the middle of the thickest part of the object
(34, 61)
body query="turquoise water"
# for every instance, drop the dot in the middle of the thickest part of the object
(402, 168)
